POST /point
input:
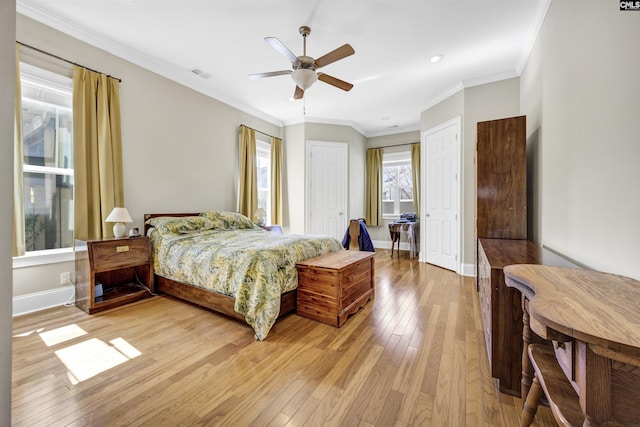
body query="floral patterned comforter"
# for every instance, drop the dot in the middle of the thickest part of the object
(250, 264)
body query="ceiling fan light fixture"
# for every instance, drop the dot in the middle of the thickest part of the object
(304, 78)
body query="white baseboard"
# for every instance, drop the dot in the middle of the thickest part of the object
(468, 270)
(386, 244)
(37, 301)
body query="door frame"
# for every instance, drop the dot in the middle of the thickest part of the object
(457, 121)
(345, 155)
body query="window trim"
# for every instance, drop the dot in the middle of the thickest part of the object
(396, 158)
(264, 147)
(58, 85)
(45, 256)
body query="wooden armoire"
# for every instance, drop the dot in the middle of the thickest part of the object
(501, 217)
(501, 176)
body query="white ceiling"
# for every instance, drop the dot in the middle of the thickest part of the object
(481, 40)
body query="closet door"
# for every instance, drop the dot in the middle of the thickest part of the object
(501, 158)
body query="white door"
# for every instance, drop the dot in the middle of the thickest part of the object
(327, 188)
(441, 184)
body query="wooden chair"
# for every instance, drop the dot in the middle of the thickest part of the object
(354, 234)
(551, 380)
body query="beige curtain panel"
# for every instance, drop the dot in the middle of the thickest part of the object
(97, 145)
(276, 180)
(18, 159)
(373, 212)
(248, 194)
(415, 171)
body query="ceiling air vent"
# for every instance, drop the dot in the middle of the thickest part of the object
(198, 72)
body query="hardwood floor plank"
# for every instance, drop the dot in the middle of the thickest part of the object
(413, 356)
(413, 393)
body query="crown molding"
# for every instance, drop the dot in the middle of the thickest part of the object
(532, 36)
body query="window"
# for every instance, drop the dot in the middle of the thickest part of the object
(47, 137)
(397, 184)
(263, 165)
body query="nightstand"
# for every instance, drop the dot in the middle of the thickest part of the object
(122, 268)
(276, 229)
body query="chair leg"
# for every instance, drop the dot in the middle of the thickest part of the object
(530, 406)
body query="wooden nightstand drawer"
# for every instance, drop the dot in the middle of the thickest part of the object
(112, 254)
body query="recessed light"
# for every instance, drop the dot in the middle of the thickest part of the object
(436, 58)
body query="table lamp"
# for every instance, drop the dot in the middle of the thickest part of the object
(261, 216)
(119, 216)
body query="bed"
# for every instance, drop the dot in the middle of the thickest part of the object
(222, 261)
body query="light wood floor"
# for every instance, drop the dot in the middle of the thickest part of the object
(414, 356)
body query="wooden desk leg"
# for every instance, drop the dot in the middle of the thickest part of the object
(395, 238)
(393, 242)
(527, 337)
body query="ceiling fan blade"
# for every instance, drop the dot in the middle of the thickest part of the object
(299, 93)
(341, 84)
(269, 74)
(335, 55)
(280, 47)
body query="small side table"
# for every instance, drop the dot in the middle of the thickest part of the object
(276, 229)
(123, 266)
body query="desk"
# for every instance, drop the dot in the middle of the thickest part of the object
(593, 318)
(413, 236)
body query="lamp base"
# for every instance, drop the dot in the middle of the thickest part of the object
(119, 230)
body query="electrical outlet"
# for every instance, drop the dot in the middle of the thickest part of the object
(65, 278)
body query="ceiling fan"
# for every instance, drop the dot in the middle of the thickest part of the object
(304, 67)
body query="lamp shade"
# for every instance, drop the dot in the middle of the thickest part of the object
(119, 216)
(304, 78)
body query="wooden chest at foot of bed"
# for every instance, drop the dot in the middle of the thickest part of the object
(335, 285)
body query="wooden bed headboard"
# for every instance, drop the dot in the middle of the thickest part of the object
(154, 215)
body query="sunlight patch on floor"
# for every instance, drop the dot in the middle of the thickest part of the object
(59, 335)
(89, 358)
(26, 334)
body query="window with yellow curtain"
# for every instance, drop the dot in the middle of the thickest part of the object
(260, 195)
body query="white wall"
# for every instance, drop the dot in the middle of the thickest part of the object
(7, 71)
(581, 85)
(293, 202)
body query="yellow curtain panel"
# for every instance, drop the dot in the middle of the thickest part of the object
(415, 171)
(248, 194)
(97, 145)
(276, 180)
(373, 212)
